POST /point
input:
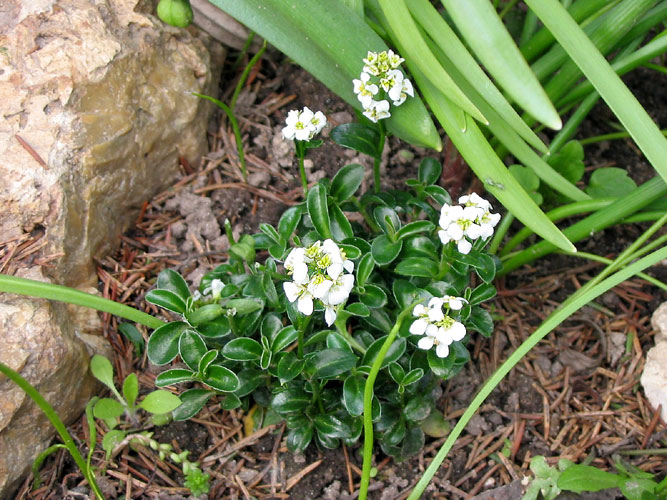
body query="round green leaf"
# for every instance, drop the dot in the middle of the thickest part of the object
(160, 401)
(429, 171)
(289, 367)
(415, 228)
(358, 136)
(204, 314)
(353, 395)
(290, 401)
(357, 309)
(284, 338)
(329, 363)
(418, 408)
(348, 179)
(483, 292)
(417, 266)
(299, 438)
(480, 320)
(168, 279)
(221, 379)
(340, 226)
(393, 354)
(397, 372)
(318, 210)
(163, 343)
(108, 408)
(330, 426)
(270, 326)
(175, 376)
(191, 347)
(384, 251)
(288, 222)
(249, 380)
(373, 296)
(336, 341)
(365, 268)
(387, 219)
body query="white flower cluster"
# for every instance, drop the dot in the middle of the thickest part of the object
(211, 292)
(439, 328)
(381, 72)
(303, 125)
(470, 220)
(319, 272)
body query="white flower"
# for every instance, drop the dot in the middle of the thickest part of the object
(406, 90)
(394, 60)
(339, 290)
(440, 330)
(299, 293)
(296, 265)
(303, 125)
(378, 110)
(214, 289)
(466, 222)
(392, 83)
(364, 90)
(454, 303)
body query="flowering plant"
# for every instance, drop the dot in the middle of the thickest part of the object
(346, 288)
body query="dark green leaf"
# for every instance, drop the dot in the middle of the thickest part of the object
(357, 309)
(289, 367)
(166, 299)
(318, 210)
(405, 293)
(430, 170)
(353, 394)
(270, 326)
(413, 443)
(249, 380)
(192, 401)
(340, 226)
(191, 347)
(414, 228)
(215, 329)
(265, 359)
(290, 401)
(288, 222)
(397, 372)
(365, 268)
(221, 379)
(580, 478)
(336, 341)
(487, 269)
(480, 320)
(417, 266)
(159, 402)
(169, 279)
(373, 296)
(230, 402)
(347, 180)
(174, 376)
(133, 335)
(441, 367)
(483, 292)
(244, 249)
(395, 433)
(206, 360)
(330, 426)
(439, 194)
(393, 354)
(204, 314)
(413, 376)
(387, 219)
(284, 338)
(384, 251)
(330, 363)
(380, 320)
(242, 349)
(358, 136)
(163, 343)
(352, 252)
(418, 408)
(420, 246)
(270, 231)
(299, 438)
(360, 243)
(244, 306)
(108, 408)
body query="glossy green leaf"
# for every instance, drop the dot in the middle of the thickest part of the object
(163, 343)
(340, 226)
(353, 394)
(221, 379)
(284, 338)
(166, 299)
(191, 347)
(429, 171)
(417, 266)
(318, 210)
(417, 408)
(420, 246)
(481, 321)
(384, 251)
(174, 376)
(393, 354)
(271, 325)
(230, 402)
(242, 349)
(265, 359)
(405, 292)
(441, 367)
(168, 279)
(358, 136)
(329, 363)
(299, 438)
(330, 426)
(192, 401)
(108, 408)
(204, 314)
(249, 380)
(102, 370)
(160, 401)
(336, 341)
(289, 367)
(290, 401)
(270, 231)
(486, 35)
(352, 252)
(206, 360)
(365, 268)
(413, 376)
(131, 389)
(387, 219)
(415, 228)
(360, 243)
(296, 28)
(486, 268)
(358, 309)
(244, 306)
(288, 222)
(481, 293)
(373, 296)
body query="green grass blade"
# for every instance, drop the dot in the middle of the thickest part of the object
(510, 138)
(414, 48)
(620, 209)
(303, 30)
(445, 38)
(569, 307)
(485, 33)
(626, 107)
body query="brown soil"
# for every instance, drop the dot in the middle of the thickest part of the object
(576, 395)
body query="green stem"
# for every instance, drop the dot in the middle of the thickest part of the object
(376, 161)
(368, 402)
(244, 75)
(369, 220)
(301, 154)
(576, 301)
(500, 232)
(610, 137)
(301, 334)
(57, 424)
(22, 286)
(340, 326)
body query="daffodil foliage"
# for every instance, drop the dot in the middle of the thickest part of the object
(295, 319)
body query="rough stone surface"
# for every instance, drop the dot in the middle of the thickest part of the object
(654, 376)
(95, 113)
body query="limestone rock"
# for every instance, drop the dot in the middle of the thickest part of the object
(654, 376)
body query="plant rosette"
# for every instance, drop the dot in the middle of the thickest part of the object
(297, 333)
